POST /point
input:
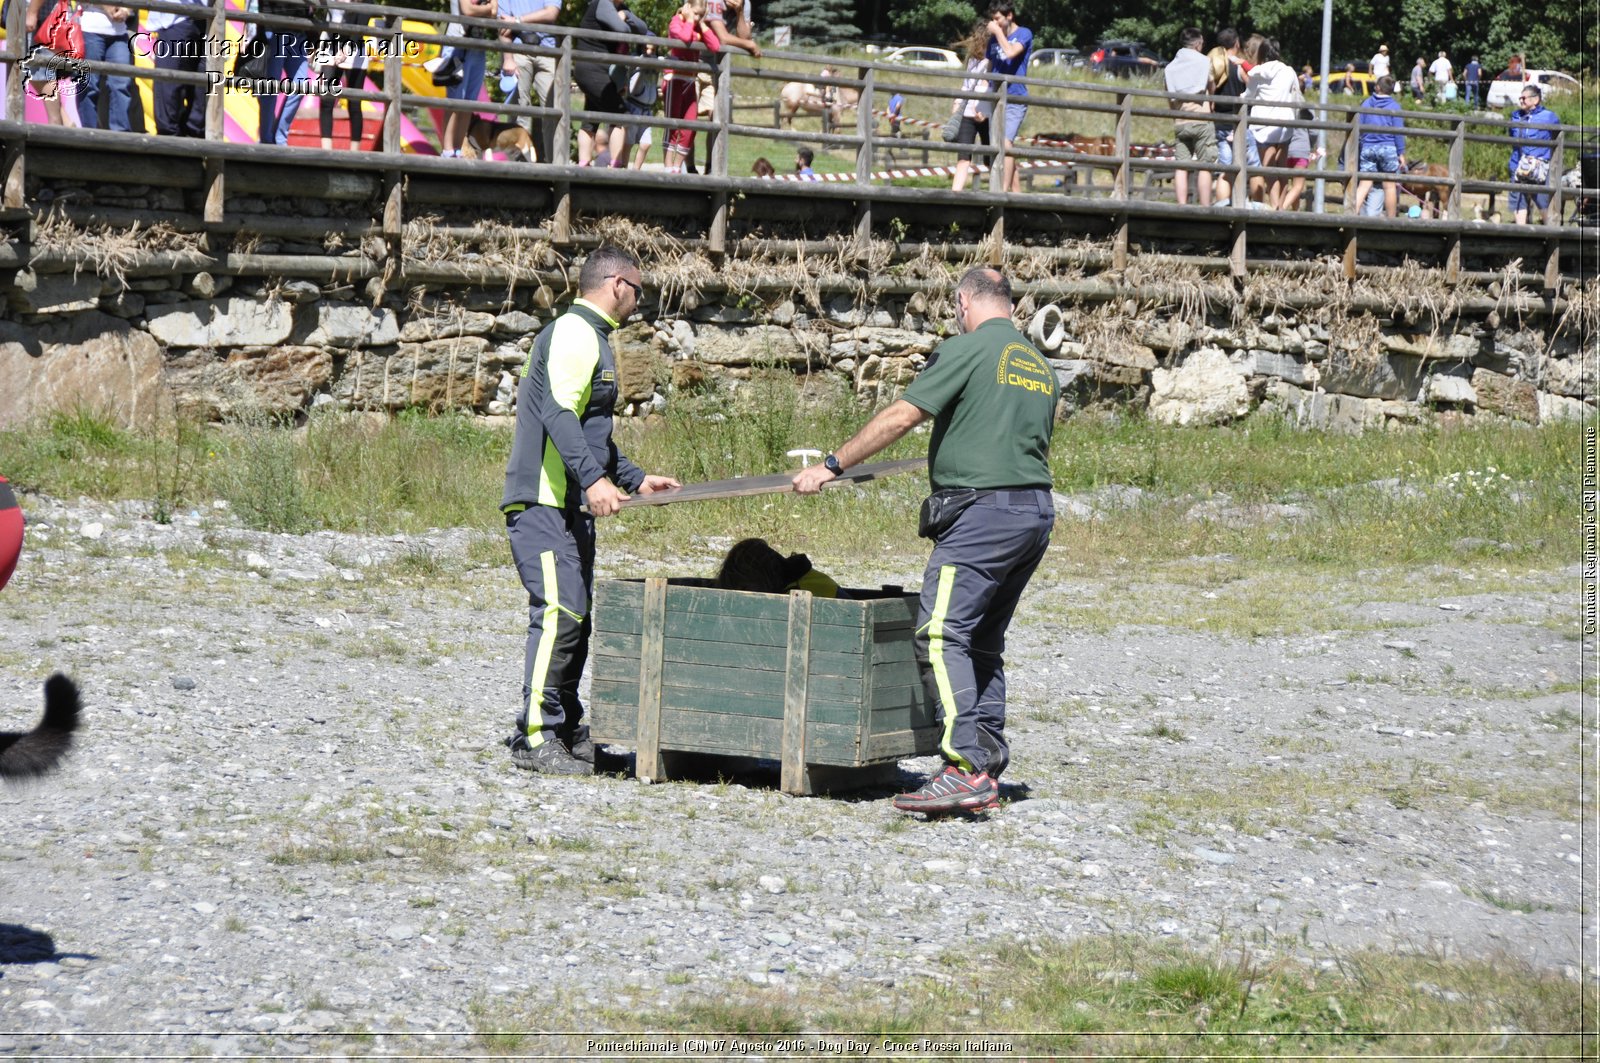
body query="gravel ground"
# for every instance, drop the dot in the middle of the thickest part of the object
(289, 814)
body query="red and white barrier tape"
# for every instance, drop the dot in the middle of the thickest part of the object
(1137, 151)
(914, 171)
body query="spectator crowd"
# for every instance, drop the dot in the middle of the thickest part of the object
(320, 51)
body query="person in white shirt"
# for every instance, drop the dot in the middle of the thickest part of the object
(1189, 73)
(973, 127)
(1444, 76)
(105, 40)
(1272, 81)
(1380, 63)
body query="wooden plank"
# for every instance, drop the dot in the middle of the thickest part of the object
(716, 680)
(898, 718)
(885, 695)
(793, 780)
(648, 766)
(728, 629)
(754, 736)
(710, 732)
(15, 194)
(694, 652)
(864, 694)
(746, 486)
(736, 703)
(215, 191)
(891, 675)
(895, 745)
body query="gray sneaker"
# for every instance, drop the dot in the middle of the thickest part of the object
(549, 757)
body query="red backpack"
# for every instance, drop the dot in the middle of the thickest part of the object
(60, 32)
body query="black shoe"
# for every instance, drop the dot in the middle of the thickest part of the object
(549, 757)
(579, 743)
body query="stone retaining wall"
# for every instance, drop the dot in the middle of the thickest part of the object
(214, 346)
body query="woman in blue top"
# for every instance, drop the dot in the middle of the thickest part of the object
(1532, 145)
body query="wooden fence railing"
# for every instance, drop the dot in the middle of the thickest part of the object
(1054, 106)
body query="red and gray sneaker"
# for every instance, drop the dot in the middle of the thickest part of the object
(952, 790)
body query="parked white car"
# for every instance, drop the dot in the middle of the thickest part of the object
(1550, 82)
(935, 57)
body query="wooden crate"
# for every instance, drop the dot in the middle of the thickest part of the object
(827, 687)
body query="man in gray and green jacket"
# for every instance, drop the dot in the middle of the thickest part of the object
(562, 456)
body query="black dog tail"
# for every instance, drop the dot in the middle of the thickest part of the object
(30, 753)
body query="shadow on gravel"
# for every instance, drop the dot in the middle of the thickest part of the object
(22, 944)
(758, 774)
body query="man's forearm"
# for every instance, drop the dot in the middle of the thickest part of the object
(890, 423)
(727, 37)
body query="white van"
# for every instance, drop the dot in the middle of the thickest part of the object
(1505, 93)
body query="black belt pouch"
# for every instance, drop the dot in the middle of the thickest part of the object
(940, 510)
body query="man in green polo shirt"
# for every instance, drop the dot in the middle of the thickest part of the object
(992, 397)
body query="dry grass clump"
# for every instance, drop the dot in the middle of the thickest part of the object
(1581, 319)
(110, 250)
(485, 244)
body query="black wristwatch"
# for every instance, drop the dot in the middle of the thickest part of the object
(831, 463)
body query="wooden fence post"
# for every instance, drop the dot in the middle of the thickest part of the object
(717, 159)
(393, 89)
(17, 47)
(648, 764)
(15, 193)
(216, 34)
(563, 104)
(1552, 215)
(1124, 179)
(865, 154)
(561, 191)
(997, 180)
(1458, 149)
(1240, 199)
(797, 673)
(1352, 166)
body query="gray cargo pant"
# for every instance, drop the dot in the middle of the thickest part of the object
(974, 579)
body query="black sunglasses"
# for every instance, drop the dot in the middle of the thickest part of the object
(638, 289)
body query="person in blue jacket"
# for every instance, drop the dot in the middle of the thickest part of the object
(1383, 144)
(1530, 152)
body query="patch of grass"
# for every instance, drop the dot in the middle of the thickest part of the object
(1163, 729)
(1498, 483)
(1135, 998)
(1495, 898)
(382, 646)
(1380, 499)
(348, 846)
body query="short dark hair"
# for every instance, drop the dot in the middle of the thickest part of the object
(983, 283)
(602, 263)
(1191, 37)
(1267, 51)
(1386, 85)
(1227, 37)
(1002, 8)
(804, 155)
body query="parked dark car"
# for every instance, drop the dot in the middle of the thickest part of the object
(1126, 59)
